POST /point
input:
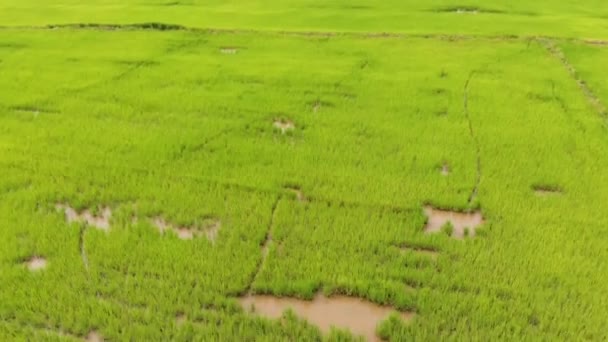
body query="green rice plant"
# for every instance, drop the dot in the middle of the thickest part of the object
(163, 121)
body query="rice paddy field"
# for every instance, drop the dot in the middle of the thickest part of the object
(303, 170)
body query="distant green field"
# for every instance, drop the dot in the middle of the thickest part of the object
(562, 18)
(152, 176)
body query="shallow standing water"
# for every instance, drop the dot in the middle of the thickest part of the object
(356, 315)
(437, 218)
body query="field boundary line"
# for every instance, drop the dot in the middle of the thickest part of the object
(265, 244)
(593, 99)
(158, 26)
(474, 138)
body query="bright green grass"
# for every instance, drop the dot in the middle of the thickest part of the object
(563, 18)
(163, 123)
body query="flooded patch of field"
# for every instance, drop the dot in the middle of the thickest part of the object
(209, 229)
(437, 219)
(284, 125)
(356, 315)
(36, 263)
(101, 222)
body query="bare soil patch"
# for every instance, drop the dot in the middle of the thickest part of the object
(180, 319)
(94, 336)
(284, 125)
(209, 229)
(460, 221)
(463, 9)
(316, 106)
(359, 316)
(596, 42)
(545, 191)
(101, 222)
(36, 263)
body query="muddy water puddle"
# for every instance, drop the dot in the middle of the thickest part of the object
(209, 229)
(460, 221)
(356, 315)
(102, 221)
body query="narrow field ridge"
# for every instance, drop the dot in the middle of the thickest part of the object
(475, 189)
(556, 52)
(266, 244)
(209, 30)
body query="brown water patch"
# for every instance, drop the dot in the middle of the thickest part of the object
(102, 222)
(460, 221)
(228, 50)
(94, 336)
(359, 316)
(210, 229)
(36, 263)
(284, 125)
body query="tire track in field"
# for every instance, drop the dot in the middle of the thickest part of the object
(265, 244)
(556, 52)
(474, 138)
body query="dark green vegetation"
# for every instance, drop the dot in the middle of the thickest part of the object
(180, 124)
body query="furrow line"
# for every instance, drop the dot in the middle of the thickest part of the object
(556, 52)
(475, 189)
(265, 245)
